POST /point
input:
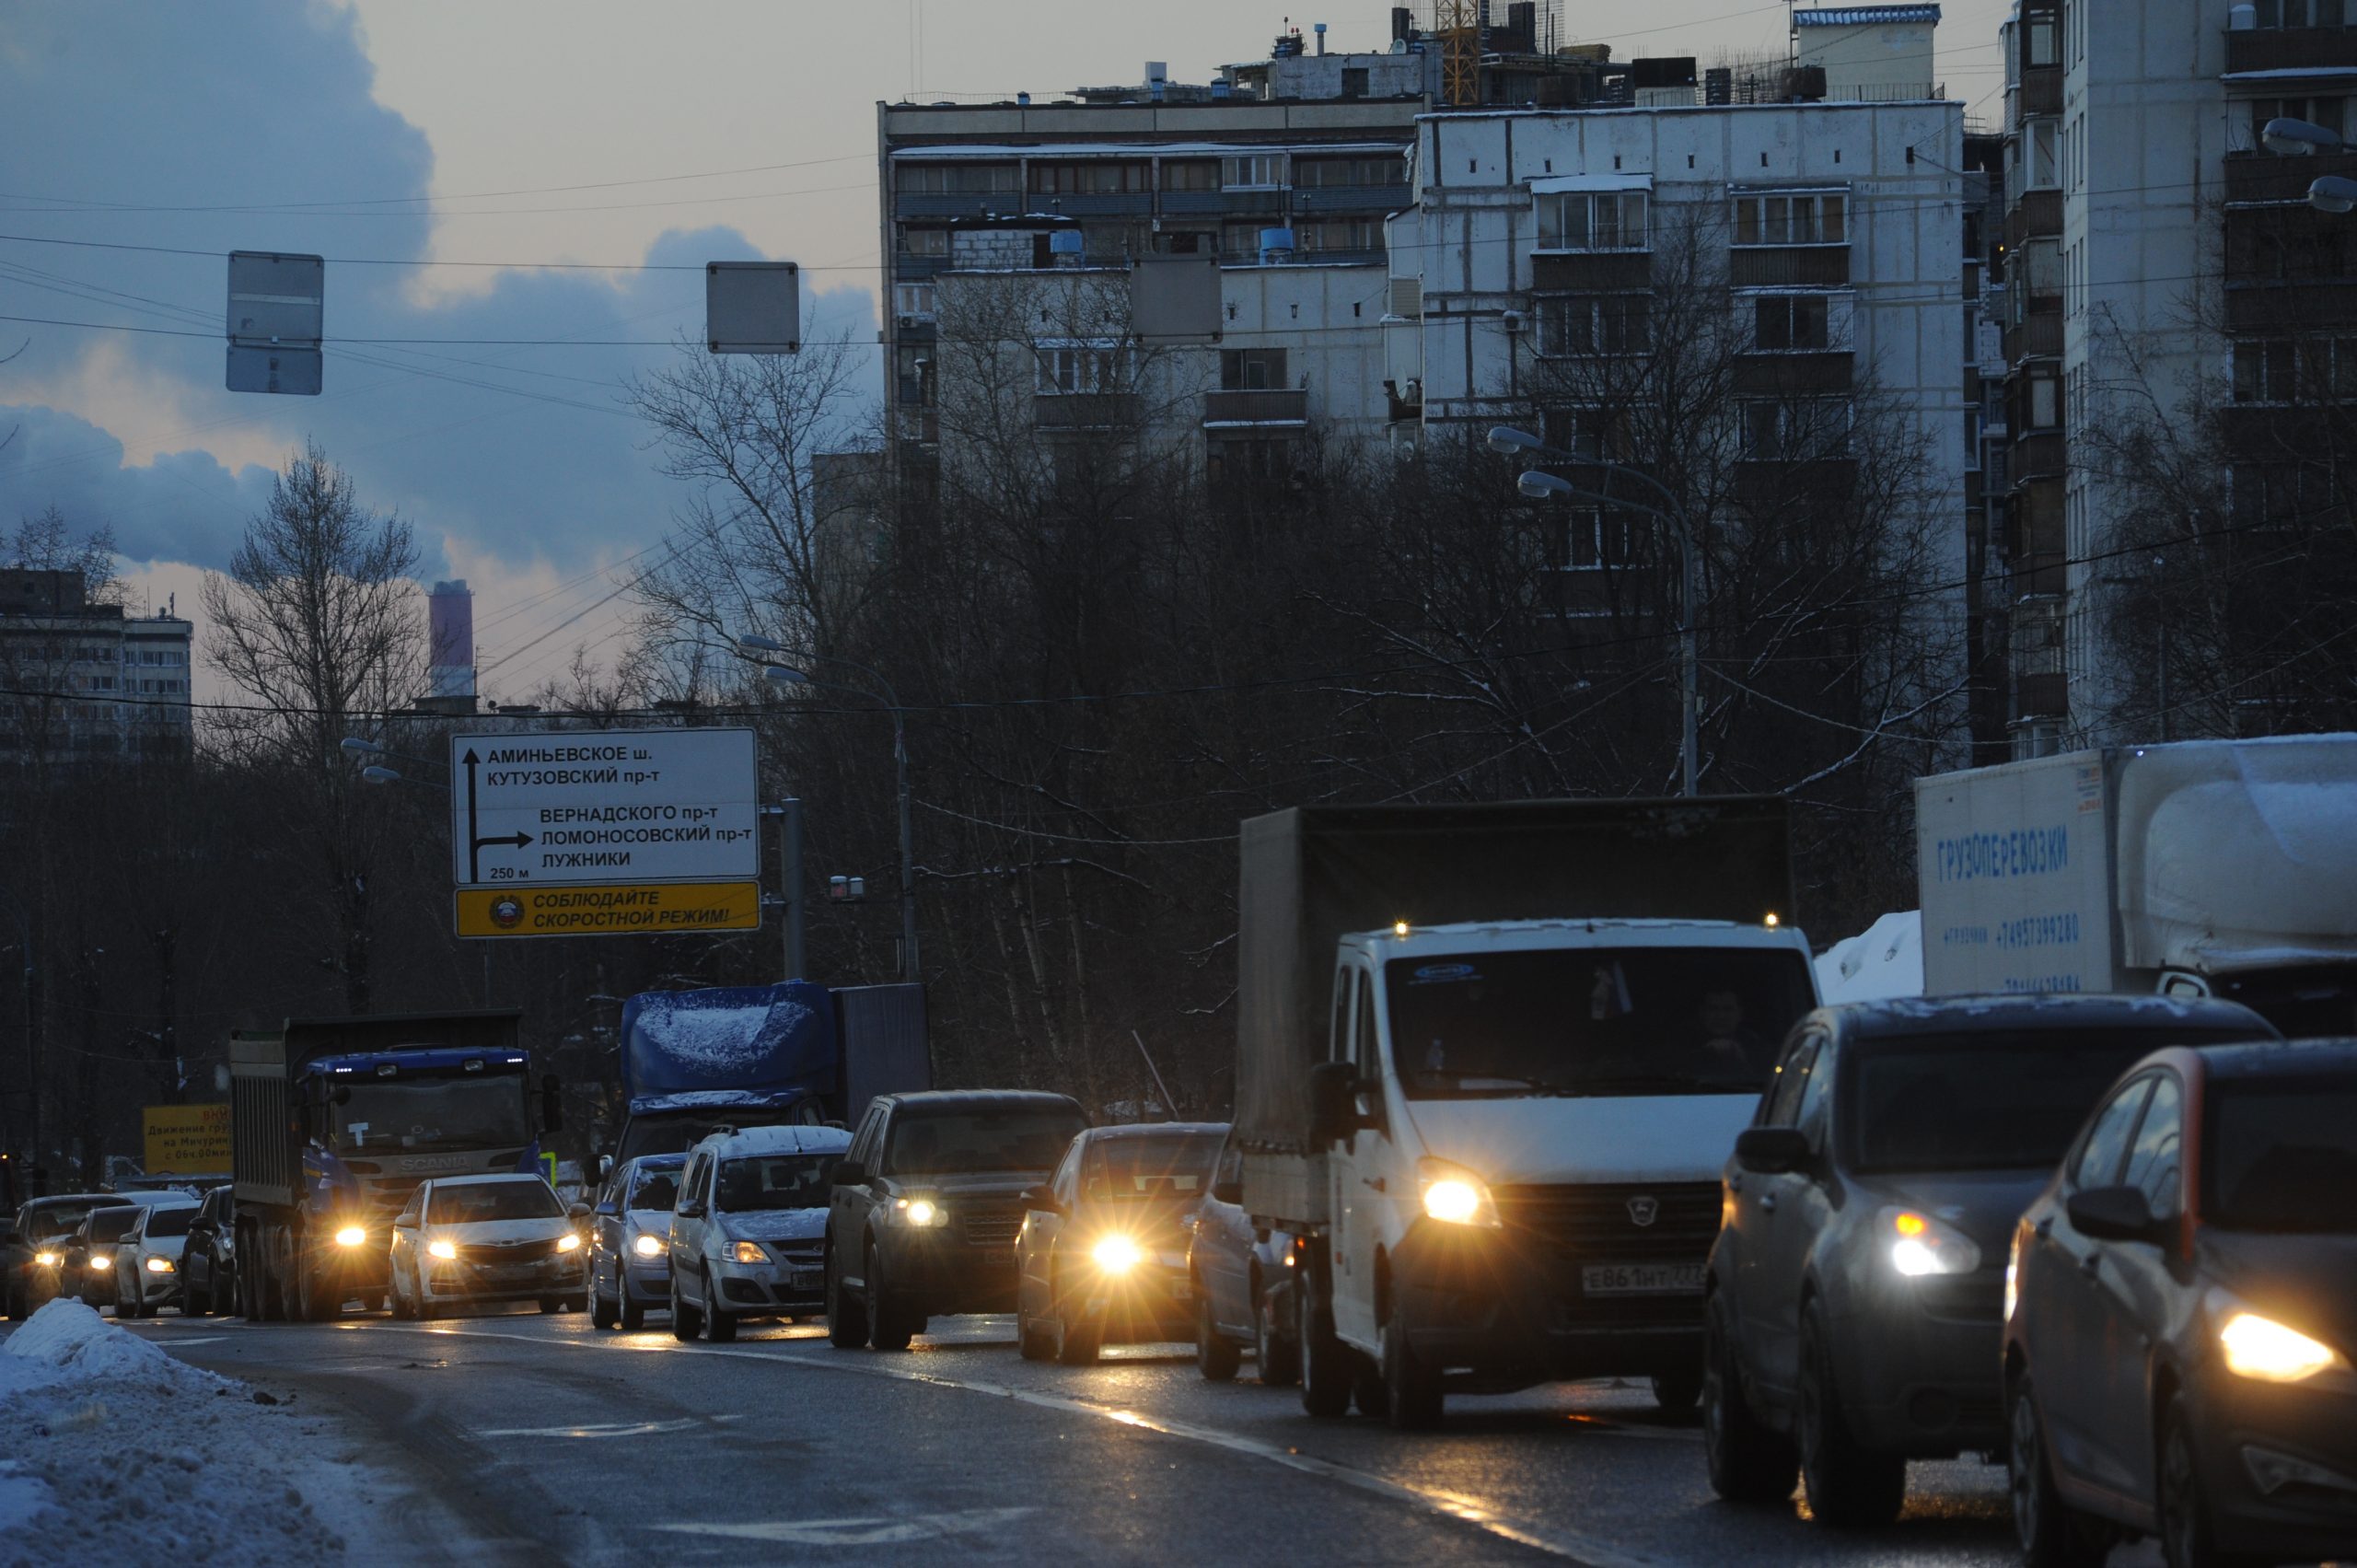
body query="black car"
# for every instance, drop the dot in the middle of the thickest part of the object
(2181, 1346)
(1856, 1292)
(209, 1261)
(926, 1205)
(34, 1260)
(1243, 1296)
(89, 1267)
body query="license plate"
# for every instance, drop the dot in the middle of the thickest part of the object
(806, 1279)
(1182, 1289)
(1642, 1279)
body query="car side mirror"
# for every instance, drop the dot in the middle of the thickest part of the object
(402, 1222)
(689, 1209)
(1333, 1115)
(605, 1167)
(578, 1212)
(851, 1173)
(1043, 1199)
(1228, 1191)
(2112, 1213)
(552, 1104)
(1774, 1151)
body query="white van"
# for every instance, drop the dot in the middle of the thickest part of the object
(749, 1233)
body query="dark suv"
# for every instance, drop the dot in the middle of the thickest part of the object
(926, 1205)
(1856, 1293)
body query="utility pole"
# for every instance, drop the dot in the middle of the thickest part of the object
(789, 879)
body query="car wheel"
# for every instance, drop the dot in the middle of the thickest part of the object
(1676, 1391)
(1031, 1341)
(718, 1327)
(2052, 1534)
(1077, 1344)
(846, 1317)
(889, 1328)
(1748, 1462)
(1848, 1486)
(1411, 1389)
(600, 1314)
(2188, 1537)
(1326, 1361)
(686, 1322)
(629, 1313)
(550, 1305)
(1216, 1356)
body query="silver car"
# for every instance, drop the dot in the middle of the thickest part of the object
(749, 1233)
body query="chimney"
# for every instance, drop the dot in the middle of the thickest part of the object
(1319, 28)
(1403, 24)
(450, 624)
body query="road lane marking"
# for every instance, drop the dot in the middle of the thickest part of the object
(1570, 1545)
(873, 1531)
(604, 1429)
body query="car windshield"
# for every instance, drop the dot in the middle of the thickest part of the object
(479, 1202)
(112, 1224)
(44, 1225)
(776, 1181)
(2009, 1101)
(171, 1221)
(1592, 1020)
(934, 1143)
(380, 1116)
(1174, 1165)
(654, 1190)
(2282, 1156)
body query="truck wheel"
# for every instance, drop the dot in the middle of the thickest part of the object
(686, 1322)
(1411, 1389)
(1216, 1356)
(1849, 1486)
(1326, 1361)
(1748, 1462)
(846, 1317)
(888, 1327)
(1276, 1357)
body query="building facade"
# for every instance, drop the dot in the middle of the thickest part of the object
(89, 682)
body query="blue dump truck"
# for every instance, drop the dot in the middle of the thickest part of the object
(335, 1121)
(763, 1055)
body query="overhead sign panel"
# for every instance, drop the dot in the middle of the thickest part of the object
(605, 807)
(752, 308)
(656, 908)
(276, 318)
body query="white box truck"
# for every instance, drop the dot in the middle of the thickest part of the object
(2202, 868)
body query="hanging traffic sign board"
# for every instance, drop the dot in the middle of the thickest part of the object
(613, 809)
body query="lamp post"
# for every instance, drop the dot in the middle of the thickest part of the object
(786, 675)
(1672, 515)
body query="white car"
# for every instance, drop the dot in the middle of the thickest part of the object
(147, 1258)
(749, 1233)
(482, 1238)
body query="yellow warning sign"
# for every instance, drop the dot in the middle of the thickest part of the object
(187, 1140)
(648, 909)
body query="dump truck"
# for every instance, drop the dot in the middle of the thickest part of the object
(2199, 868)
(335, 1121)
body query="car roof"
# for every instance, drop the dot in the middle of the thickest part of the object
(2279, 1058)
(58, 1200)
(1997, 1015)
(797, 1139)
(1150, 1129)
(986, 1099)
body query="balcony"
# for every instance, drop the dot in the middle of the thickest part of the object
(1772, 375)
(2041, 92)
(2265, 177)
(1789, 266)
(1350, 198)
(2039, 336)
(2046, 696)
(1085, 411)
(956, 204)
(2291, 48)
(2038, 215)
(1093, 204)
(2038, 454)
(2296, 305)
(1591, 271)
(1274, 405)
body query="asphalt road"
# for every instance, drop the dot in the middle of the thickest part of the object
(547, 1440)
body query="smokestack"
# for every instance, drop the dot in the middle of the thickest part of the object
(450, 625)
(1319, 28)
(1403, 24)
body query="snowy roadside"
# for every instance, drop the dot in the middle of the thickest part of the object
(106, 1438)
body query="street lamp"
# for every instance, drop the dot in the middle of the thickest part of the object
(2298, 137)
(787, 674)
(1539, 486)
(2334, 193)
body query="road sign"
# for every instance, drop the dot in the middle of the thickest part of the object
(752, 306)
(649, 909)
(610, 805)
(187, 1140)
(277, 316)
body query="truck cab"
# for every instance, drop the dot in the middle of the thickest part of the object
(1522, 1124)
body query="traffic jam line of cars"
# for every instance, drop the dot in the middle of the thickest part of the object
(2108, 1241)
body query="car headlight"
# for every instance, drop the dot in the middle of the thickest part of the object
(1921, 1245)
(159, 1265)
(2261, 1348)
(1454, 1195)
(444, 1251)
(1116, 1254)
(101, 1265)
(351, 1235)
(647, 1246)
(568, 1242)
(746, 1253)
(917, 1212)
(47, 1260)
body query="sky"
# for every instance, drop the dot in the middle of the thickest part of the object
(595, 153)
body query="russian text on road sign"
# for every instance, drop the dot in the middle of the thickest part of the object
(654, 908)
(187, 1140)
(604, 806)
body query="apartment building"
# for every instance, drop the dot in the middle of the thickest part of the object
(88, 682)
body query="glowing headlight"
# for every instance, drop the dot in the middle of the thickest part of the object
(1454, 1195)
(748, 1253)
(159, 1265)
(101, 1265)
(47, 1260)
(1116, 1254)
(2262, 1348)
(568, 1242)
(351, 1235)
(917, 1210)
(1921, 1245)
(443, 1250)
(647, 1246)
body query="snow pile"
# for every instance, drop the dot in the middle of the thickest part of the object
(22, 1497)
(68, 1342)
(1886, 961)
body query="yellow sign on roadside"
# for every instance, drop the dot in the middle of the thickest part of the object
(187, 1140)
(647, 909)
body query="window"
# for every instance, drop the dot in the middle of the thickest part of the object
(1328, 173)
(1587, 433)
(1592, 220)
(2042, 403)
(1338, 1049)
(2329, 113)
(2098, 1162)
(1202, 175)
(1354, 81)
(1339, 234)
(1588, 539)
(1252, 369)
(1594, 323)
(1240, 238)
(914, 299)
(925, 241)
(1078, 367)
(1790, 321)
(957, 178)
(1798, 217)
(1363, 1039)
(2301, 13)
(1186, 242)
(1794, 430)
(1782, 1108)
(2156, 1158)
(2045, 167)
(1257, 171)
(1092, 178)
(2042, 43)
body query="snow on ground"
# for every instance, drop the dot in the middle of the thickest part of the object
(106, 1439)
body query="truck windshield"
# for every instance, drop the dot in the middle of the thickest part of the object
(406, 1115)
(1149, 1166)
(776, 1181)
(2282, 1158)
(1592, 1020)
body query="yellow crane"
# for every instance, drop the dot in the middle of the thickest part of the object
(1458, 26)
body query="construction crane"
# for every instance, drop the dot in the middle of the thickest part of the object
(1457, 25)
